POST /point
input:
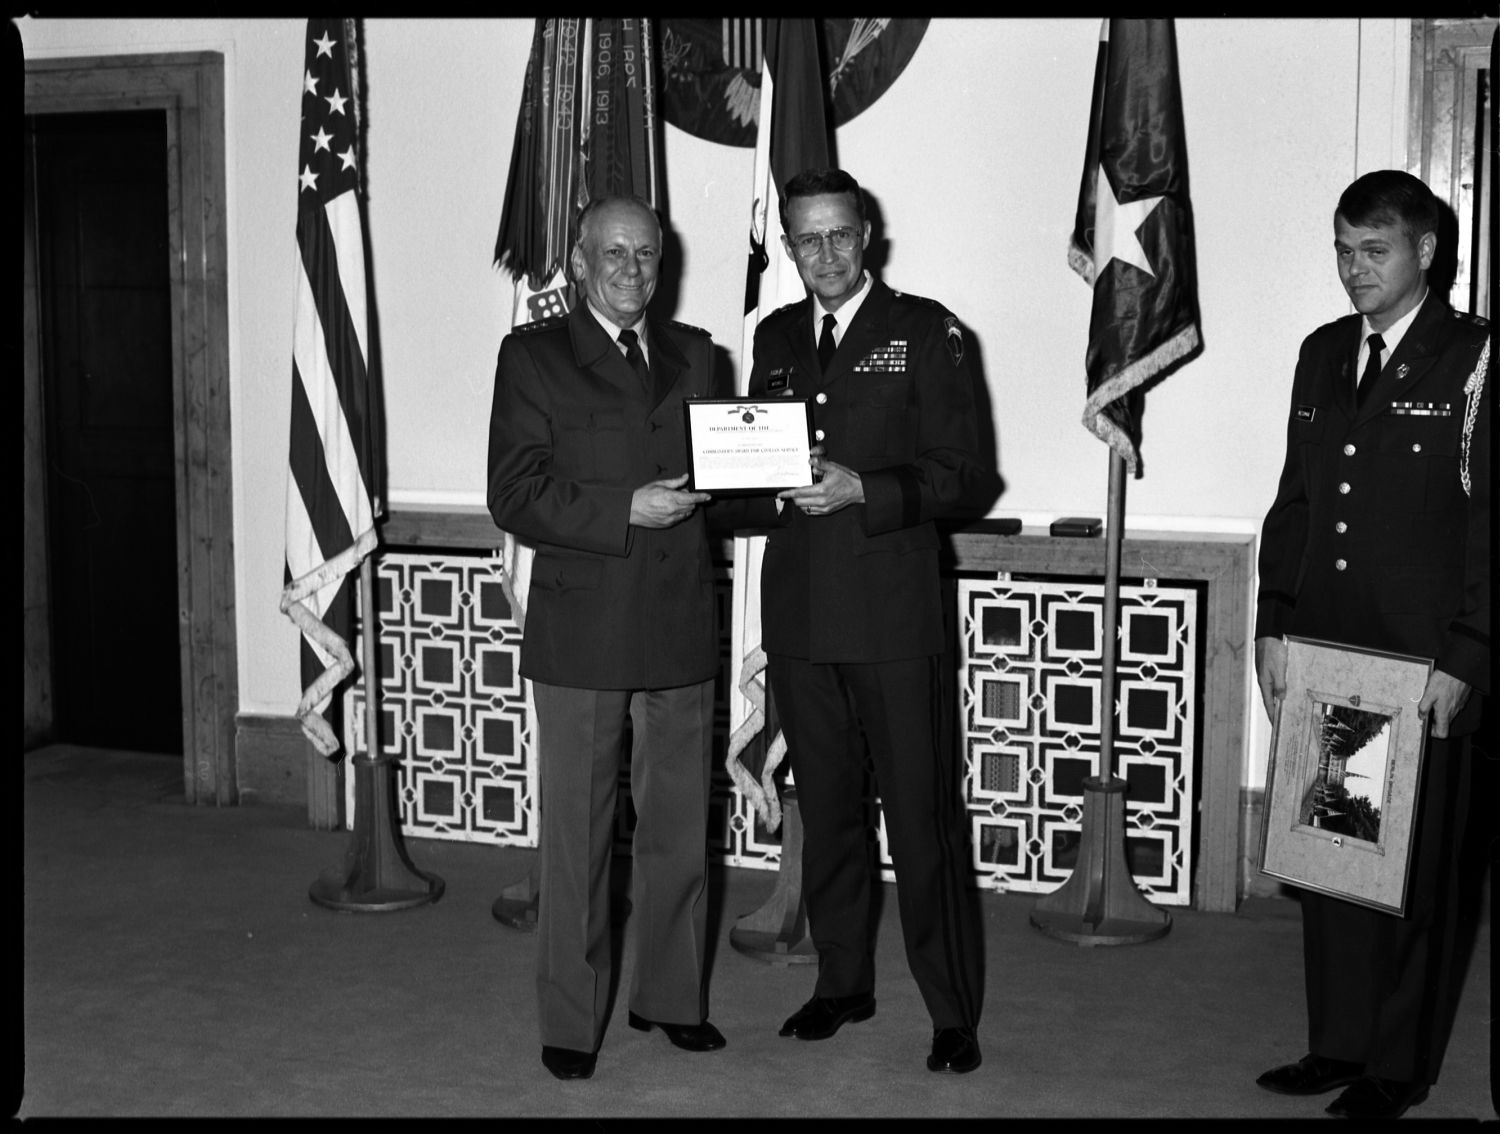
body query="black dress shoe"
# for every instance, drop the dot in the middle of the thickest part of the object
(954, 1051)
(1377, 1098)
(821, 1016)
(566, 1063)
(689, 1037)
(1310, 1075)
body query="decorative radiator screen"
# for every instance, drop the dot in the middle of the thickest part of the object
(456, 717)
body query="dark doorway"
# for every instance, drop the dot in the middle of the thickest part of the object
(105, 295)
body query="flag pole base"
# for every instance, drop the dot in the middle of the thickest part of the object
(777, 932)
(378, 876)
(516, 907)
(1099, 904)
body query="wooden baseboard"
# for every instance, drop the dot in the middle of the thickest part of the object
(275, 764)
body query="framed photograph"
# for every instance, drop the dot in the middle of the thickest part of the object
(743, 447)
(1346, 762)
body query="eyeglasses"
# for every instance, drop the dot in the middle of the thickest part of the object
(809, 244)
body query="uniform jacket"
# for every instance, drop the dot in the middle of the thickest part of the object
(572, 434)
(897, 407)
(1372, 540)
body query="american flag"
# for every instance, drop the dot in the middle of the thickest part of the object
(1133, 233)
(792, 135)
(333, 494)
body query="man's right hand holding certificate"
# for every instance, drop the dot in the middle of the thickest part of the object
(834, 487)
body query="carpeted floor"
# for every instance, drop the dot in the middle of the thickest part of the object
(174, 966)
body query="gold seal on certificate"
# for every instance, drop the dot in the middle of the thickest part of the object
(740, 446)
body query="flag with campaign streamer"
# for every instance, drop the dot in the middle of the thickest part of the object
(587, 127)
(792, 135)
(333, 484)
(1133, 233)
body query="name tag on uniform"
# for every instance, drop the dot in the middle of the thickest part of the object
(1422, 409)
(890, 357)
(779, 380)
(1306, 413)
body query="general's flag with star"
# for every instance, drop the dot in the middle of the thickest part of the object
(333, 490)
(1133, 236)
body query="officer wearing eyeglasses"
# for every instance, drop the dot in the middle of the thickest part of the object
(852, 619)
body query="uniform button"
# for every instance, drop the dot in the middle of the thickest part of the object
(1348, 450)
(661, 468)
(822, 399)
(817, 435)
(1344, 488)
(1340, 564)
(1417, 447)
(1341, 527)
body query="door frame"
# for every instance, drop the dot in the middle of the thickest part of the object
(189, 87)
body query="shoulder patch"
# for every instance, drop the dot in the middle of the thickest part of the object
(1472, 319)
(540, 325)
(688, 327)
(955, 340)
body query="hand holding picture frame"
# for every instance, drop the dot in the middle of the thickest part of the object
(744, 447)
(1345, 767)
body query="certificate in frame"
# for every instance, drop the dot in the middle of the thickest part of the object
(748, 447)
(1344, 773)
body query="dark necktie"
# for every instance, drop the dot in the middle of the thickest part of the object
(826, 345)
(1372, 369)
(636, 358)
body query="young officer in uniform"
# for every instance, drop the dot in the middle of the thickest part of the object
(1379, 537)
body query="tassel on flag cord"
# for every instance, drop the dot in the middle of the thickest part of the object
(792, 135)
(332, 497)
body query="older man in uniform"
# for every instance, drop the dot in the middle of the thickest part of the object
(1379, 538)
(588, 460)
(851, 614)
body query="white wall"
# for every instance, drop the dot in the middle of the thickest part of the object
(974, 156)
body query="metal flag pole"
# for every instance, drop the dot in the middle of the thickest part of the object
(378, 876)
(1099, 904)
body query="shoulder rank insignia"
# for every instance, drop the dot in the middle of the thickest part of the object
(955, 339)
(540, 324)
(922, 299)
(1470, 317)
(688, 327)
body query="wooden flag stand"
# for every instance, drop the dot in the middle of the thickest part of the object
(378, 875)
(1099, 904)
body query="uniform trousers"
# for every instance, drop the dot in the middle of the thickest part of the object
(824, 707)
(1381, 989)
(580, 733)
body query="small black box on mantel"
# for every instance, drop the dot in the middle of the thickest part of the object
(1077, 526)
